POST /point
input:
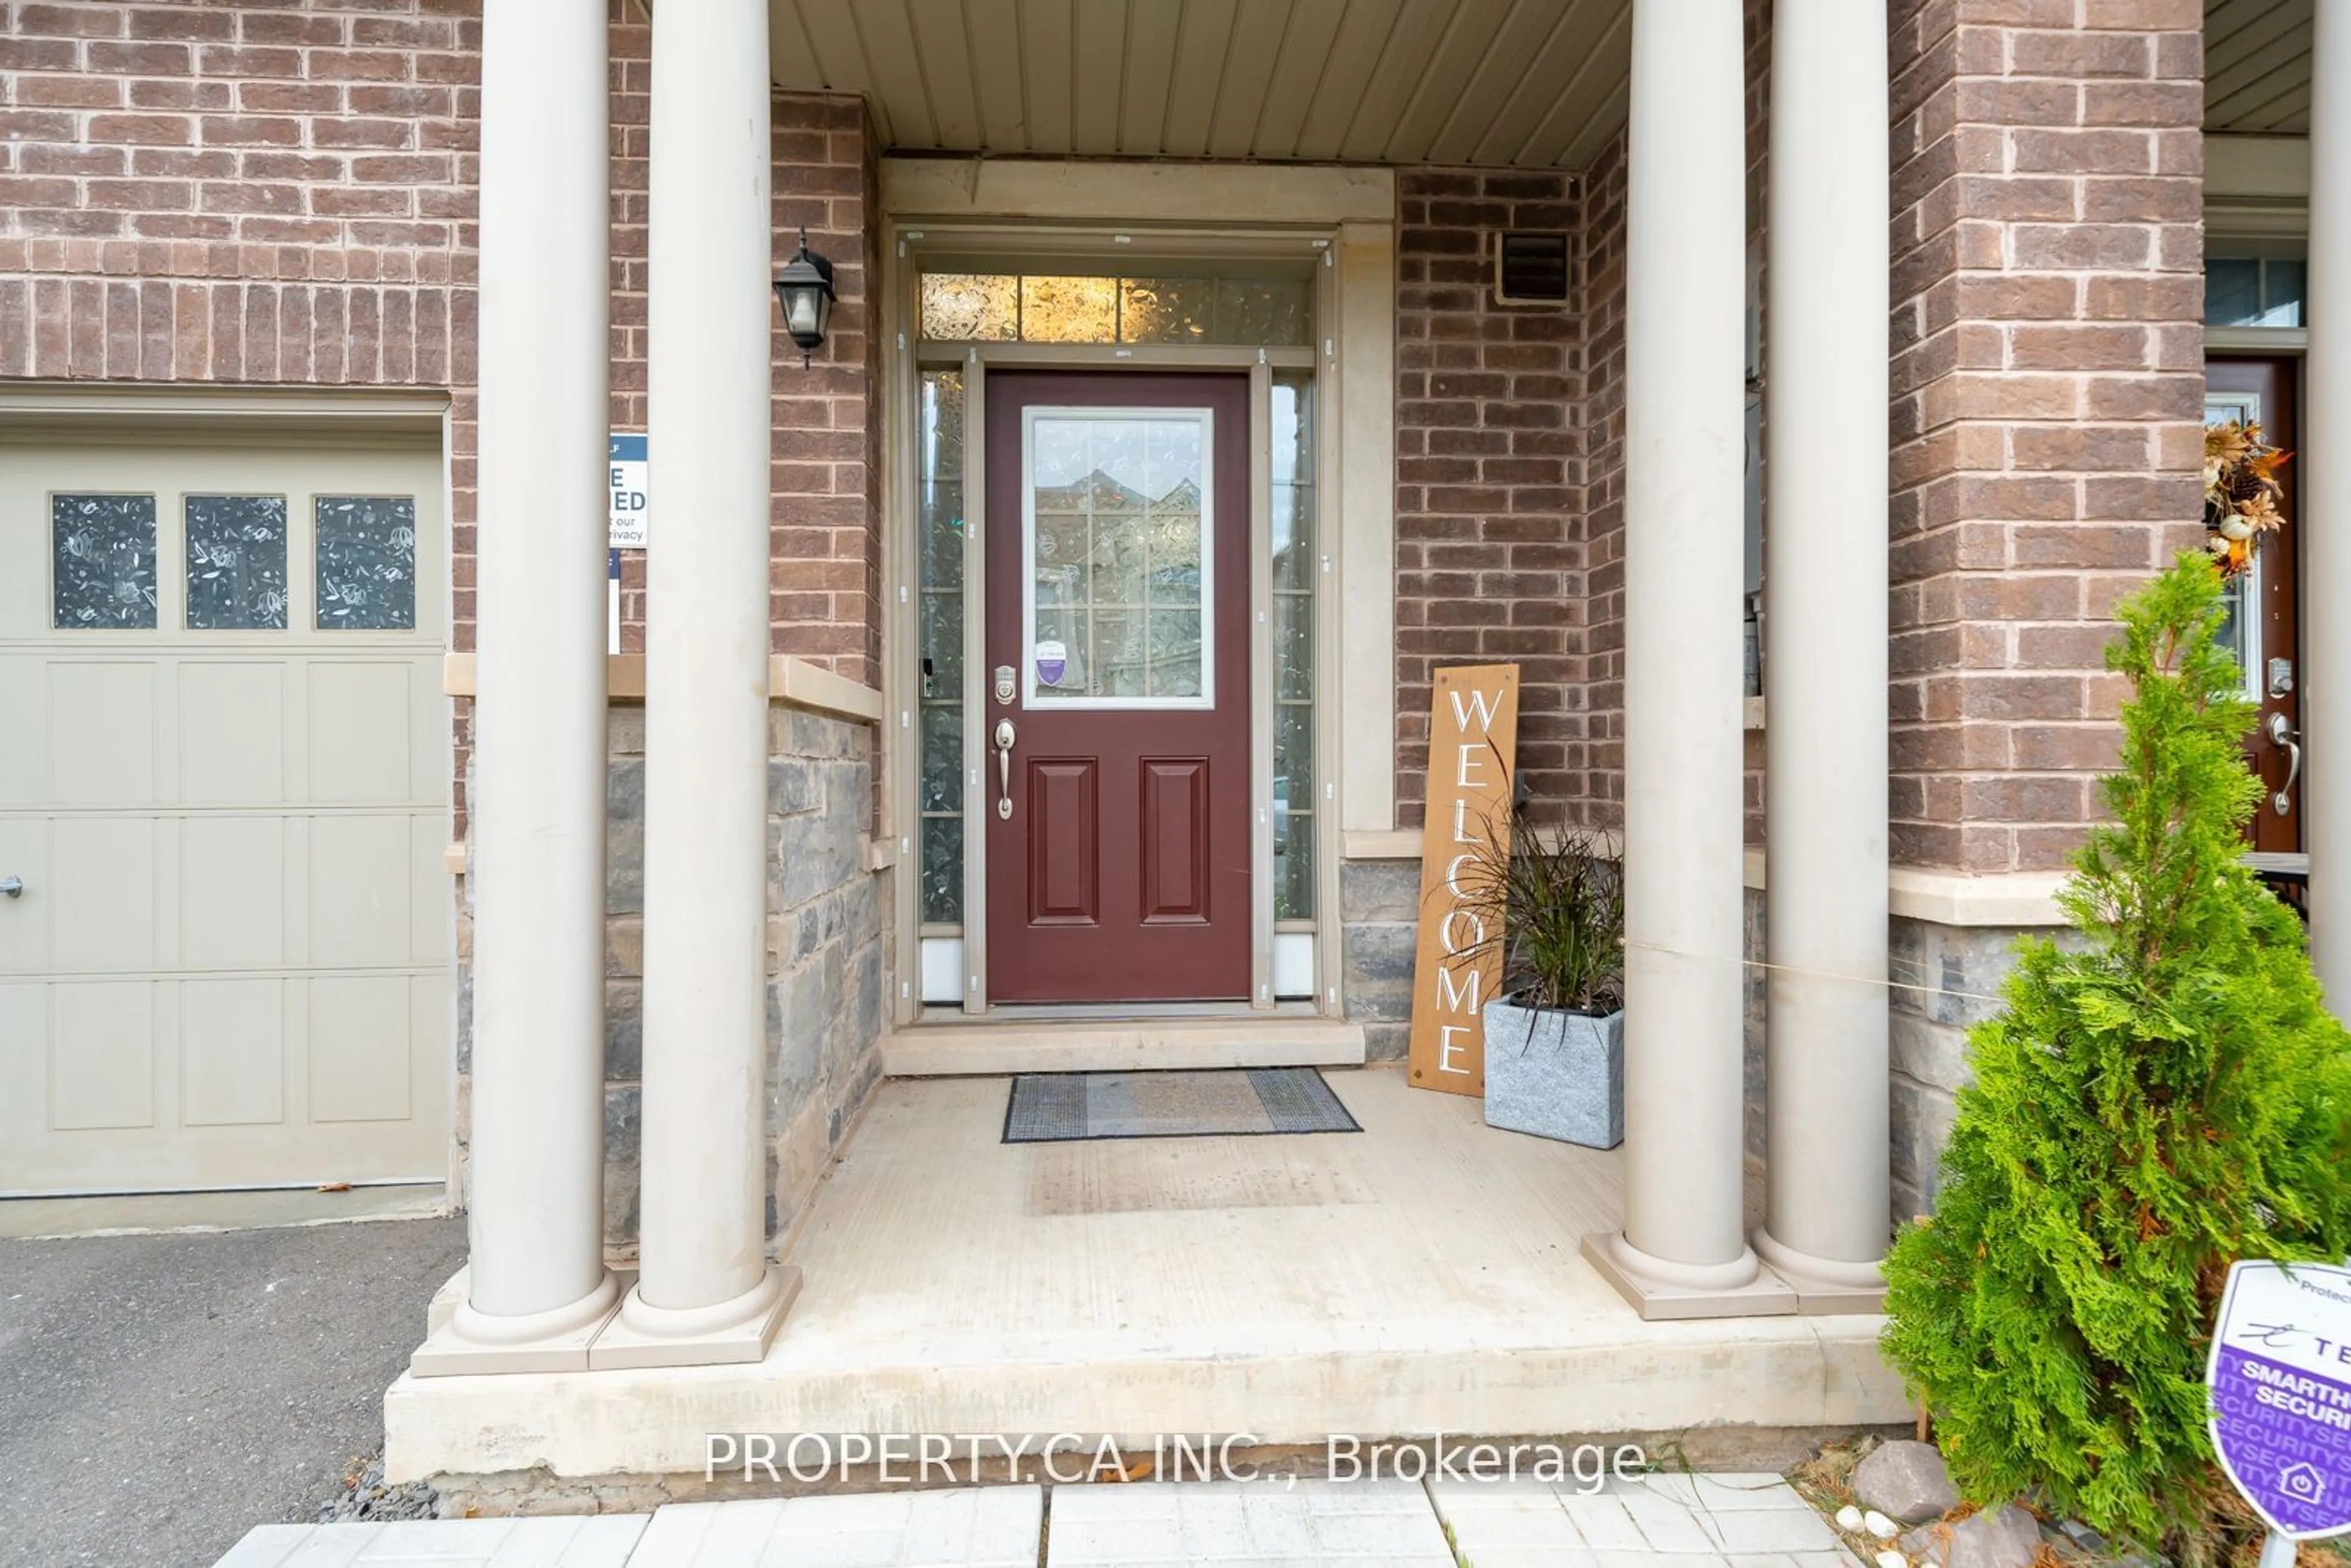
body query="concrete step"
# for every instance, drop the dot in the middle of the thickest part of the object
(1097, 1044)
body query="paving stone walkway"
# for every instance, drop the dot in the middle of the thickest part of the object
(1713, 1521)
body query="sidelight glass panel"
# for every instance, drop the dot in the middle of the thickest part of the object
(103, 547)
(939, 633)
(942, 759)
(1294, 571)
(1118, 548)
(2241, 633)
(943, 870)
(236, 563)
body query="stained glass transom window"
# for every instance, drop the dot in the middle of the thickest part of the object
(1058, 307)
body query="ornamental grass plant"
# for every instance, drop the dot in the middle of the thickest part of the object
(2156, 1101)
(1551, 902)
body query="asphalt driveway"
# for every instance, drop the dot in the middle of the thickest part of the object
(162, 1394)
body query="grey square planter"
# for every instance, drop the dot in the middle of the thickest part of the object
(1555, 1074)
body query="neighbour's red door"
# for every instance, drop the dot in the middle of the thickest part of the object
(1116, 728)
(2263, 619)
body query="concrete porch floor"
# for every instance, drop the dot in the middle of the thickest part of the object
(1419, 1277)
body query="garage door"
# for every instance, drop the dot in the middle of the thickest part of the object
(225, 938)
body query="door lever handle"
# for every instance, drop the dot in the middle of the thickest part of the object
(13, 886)
(2282, 732)
(1004, 769)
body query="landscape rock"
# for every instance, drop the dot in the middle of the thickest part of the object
(1880, 1526)
(2083, 1536)
(1905, 1481)
(2005, 1538)
(365, 1499)
(1848, 1517)
(1889, 1558)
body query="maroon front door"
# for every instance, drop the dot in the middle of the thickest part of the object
(2264, 602)
(1116, 708)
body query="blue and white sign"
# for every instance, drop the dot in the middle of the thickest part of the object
(1052, 662)
(626, 468)
(2281, 1381)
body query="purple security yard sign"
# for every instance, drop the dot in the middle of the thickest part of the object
(2281, 1380)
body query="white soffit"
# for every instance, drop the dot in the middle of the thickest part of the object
(2257, 65)
(1529, 84)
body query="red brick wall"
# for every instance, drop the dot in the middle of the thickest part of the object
(1601, 275)
(1489, 473)
(825, 533)
(2047, 376)
(282, 192)
(826, 565)
(255, 193)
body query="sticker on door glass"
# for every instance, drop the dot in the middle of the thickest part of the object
(1052, 662)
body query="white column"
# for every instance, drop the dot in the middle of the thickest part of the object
(2325, 522)
(1683, 1250)
(1824, 668)
(706, 1292)
(537, 1287)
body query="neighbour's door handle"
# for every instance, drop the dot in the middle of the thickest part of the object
(2283, 732)
(1004, 768)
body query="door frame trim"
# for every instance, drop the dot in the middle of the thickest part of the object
(900, 765)
(46, 412)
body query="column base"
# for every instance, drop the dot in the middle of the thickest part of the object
(476, 1342)
(1823, 1286)
(726, 1335)
(1662, 1290)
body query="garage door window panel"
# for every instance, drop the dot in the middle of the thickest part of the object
(103, 547)
(236, 563)
(366, 563)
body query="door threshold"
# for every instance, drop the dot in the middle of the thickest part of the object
(1234, 1011)
(1119, 1039)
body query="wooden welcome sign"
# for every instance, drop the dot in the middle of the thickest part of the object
(1472, 748)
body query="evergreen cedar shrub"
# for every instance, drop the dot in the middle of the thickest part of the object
(2164, 1097)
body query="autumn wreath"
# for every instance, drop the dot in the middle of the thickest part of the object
(2241, 491)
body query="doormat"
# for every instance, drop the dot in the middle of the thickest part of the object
(1064, 1107)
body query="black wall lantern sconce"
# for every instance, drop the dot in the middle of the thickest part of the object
(805, 291)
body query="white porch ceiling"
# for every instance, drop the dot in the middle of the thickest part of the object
(2257, 65)
(1531, 84)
